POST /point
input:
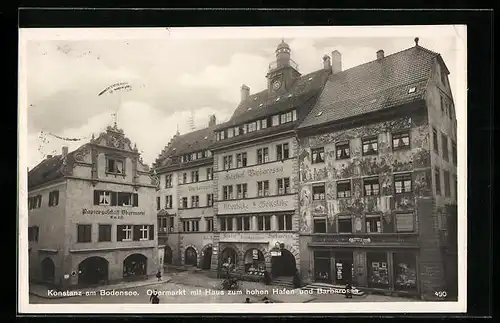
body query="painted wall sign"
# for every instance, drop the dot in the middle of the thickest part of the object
(253, 237)
(200, 187)
(112, 212)
(253, 172)
(269, 204)
(404, 222)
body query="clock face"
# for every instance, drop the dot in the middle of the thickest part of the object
(276, 85)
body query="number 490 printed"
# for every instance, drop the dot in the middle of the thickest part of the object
(441, 294)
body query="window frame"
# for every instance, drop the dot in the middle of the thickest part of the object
(318, 152)
(369, 141)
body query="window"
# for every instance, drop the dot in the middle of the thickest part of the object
(262, 155)
(195, 201)
(404, 222)
(318, 155)
(104, 197)
(191, 225)
(437, 180)
(158, 203)
(442, 104)
(320, 226)
(345, 224)
(370, 146)
(243, 223)
(373, 224)
(226, 223)
(371, 186)
(252, 126)
(194, 176)
(287, 117)
(84, 233)
(114, 166)
(141, 232)
(199, 155)
(282, 152)
(402, 183)
(184, 178)
(444, 143)
(236, 131)
(210, 200)
(454, 152)
(33, 233)
(284, 222)
(230, 132)
(342, 150)
(264, 222)
(168, 181)
(184, 202)
(208, 153)
(263, 188)
(263, 123)
(124, 199)
(241, 191)
(283, 186)
(35, 202)
(447, 187)
(168, 201)
(318, 191)
(343, 189)
(227, 191)
(53, 198)
(104, 232)
(210, 173)
(124, 232)
(241, 160)
(221, 135)
(228, 162)
(400, 140)
(209, 224)
(435, 140)
(294, 115)
(171, 223)
(275, 120)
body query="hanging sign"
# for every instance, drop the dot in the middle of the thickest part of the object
(255, 254)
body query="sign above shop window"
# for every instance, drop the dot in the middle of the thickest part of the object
(276, 253)
(265, 204)
(114, 212)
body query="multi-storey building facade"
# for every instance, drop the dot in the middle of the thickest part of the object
(91, 215)
(378, 165)
(185, 199)
(256, 172)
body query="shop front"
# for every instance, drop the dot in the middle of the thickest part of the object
(367, 263)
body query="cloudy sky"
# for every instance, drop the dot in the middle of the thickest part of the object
(173, 76)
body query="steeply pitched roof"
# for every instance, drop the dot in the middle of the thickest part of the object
(49, 169)
(194, 141)
(263, 103)
(373, 86)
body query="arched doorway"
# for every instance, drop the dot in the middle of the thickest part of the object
(207, 258)
(167, 256)
(190, 257)
(48, 270)
(228, 259)
(93, 271)
(255, 263)
(135, 265)
(283, 265)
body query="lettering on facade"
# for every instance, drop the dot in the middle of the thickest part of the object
(360, 240)
(264, 237)
(204, 187)
(112, 212)
(282, 203)
(253, 173)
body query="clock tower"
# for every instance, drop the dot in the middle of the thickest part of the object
(283, 72)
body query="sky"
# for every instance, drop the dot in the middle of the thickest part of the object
(175, 75)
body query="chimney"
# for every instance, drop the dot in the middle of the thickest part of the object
(245, 92)
(336, 62)
(327, 63)
(380, 54)
(64, 151)
(49, 156)
(212, 121)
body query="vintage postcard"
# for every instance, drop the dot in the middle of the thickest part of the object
(278, 170)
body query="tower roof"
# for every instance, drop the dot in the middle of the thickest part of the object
(282, 45)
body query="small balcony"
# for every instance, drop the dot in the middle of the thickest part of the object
(273, 65)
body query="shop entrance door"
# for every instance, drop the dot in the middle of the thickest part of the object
(343, 268)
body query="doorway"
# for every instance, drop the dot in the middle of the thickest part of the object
(135, 265)
(93, 271)
(167, 256)
(190, 257)
(283, 265)
(48, 270)
(207, 259)
(343, 268)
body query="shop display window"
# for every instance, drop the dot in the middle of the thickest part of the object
(378, 271)
(405, 271)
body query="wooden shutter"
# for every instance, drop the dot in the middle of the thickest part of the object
(135, 199)
(120, 234)
(114, 198)
(151, 232)
(136, 234)
(96, 197)
(56, 199)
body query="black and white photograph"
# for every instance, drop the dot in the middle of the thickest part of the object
(298, 169)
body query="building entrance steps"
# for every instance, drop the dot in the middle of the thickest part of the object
(43, 291)
(339, 289)
(285, 281)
